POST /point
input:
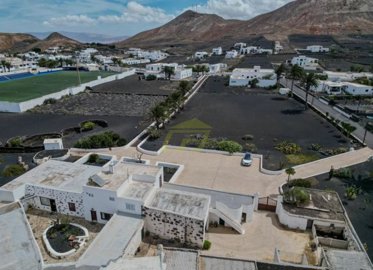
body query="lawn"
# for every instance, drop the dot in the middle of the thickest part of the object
(38, 86)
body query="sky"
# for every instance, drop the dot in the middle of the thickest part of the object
(116, 17)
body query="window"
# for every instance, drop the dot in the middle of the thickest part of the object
(111, 198)
(45, 201)
(130, 207)
(72, 207)
(105, 216)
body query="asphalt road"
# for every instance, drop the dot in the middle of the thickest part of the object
(315, 102)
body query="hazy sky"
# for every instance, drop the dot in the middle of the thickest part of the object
(116, 17)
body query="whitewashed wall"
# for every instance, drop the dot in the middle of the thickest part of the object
(291, 221)
(61, 197)
(6, 106)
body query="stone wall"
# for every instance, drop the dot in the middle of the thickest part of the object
(62, 199)
(171, 226)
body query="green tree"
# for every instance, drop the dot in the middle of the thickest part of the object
(168, 71)
(158, 114)
(279, 71)
(296, 72)
(229, 146)
(290, 171)
(184, 87)
(307, 81)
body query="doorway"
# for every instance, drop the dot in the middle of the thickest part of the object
(93, 215)
(53, 205)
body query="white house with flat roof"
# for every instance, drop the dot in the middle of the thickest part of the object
(357, 89)
(157, 69)
(317, 49)
(217, 51)
(135, 61)
(249, 50)
(201, 54)
(346, 76)
(329, 87)
(244, 76)
(231, 54)
(305, 62)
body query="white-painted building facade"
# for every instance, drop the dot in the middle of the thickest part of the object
(305, 62)
(329, 87)
(217, 51)
(346, 76)
(244, 76)
(135, 61)
(201, 54)
(317, 49)
(357, 89)
(157, 69)
(231, 54)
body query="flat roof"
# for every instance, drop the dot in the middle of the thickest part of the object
(58, 174)
(123, 170)
(347, 260)
(181, 203)
(218, 263)
(181, 259)
(111, 243)
(138, 263)
(137, 190)
(18, 248)
(323, 205)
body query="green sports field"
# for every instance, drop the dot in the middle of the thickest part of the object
(29, 88)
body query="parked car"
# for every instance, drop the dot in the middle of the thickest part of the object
(246, 160)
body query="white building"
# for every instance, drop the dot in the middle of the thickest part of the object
(243, 77)
(317, 49)
(305, 62)
(217, 68)
(135, 61)
(201, 55)
(249, 50)
(231, 54)
(217, 51)
(53, 50)
(346, 76)
(240, 45)
(357, 89)
(180, 71)
(278, 47)
(329, 87)
(265, 51)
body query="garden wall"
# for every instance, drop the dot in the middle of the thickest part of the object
(6, 106)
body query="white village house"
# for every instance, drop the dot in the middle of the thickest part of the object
(231, 54)
(181, 72)
(317, 49)
(217, 51)
(357, 89)
(201, 54)
(305, 62)
(244, 76)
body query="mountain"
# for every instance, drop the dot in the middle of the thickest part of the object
(311, 17)
(84, 37)
(53, 40)
(15, 41)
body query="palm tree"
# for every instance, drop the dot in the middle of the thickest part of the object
(184, 87)
(168, 71)
(279, 70)
(307, 81)
(296, 72)
(157, 114)
(290, 171)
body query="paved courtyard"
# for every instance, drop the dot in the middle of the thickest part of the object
(261, 237)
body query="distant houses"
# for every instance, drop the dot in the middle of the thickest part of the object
(253, 76)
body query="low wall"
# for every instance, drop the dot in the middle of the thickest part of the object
(291, 221)
(6, 106)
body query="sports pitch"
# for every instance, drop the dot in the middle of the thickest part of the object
(29, 88)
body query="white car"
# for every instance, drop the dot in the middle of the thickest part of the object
(246, 160)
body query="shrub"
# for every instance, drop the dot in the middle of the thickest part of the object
(15, 142)
(102, 140)
(248, 137)
(206, 245)
(229, 146)
(351, 192)
(297, 195)
(50, 101)
(13, 170)
(151, 77)
(86, 126)
(288, 148)
(154, 133)
(344, 173)
(300, 183)
(250, 147)
(93, 158)
(210, 144)
(315, 147)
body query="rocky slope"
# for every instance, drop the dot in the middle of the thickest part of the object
(15, 41)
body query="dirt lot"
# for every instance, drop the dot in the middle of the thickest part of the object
(234, 112)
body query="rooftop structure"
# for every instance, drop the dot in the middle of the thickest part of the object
(180, 203)
(347, 260)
